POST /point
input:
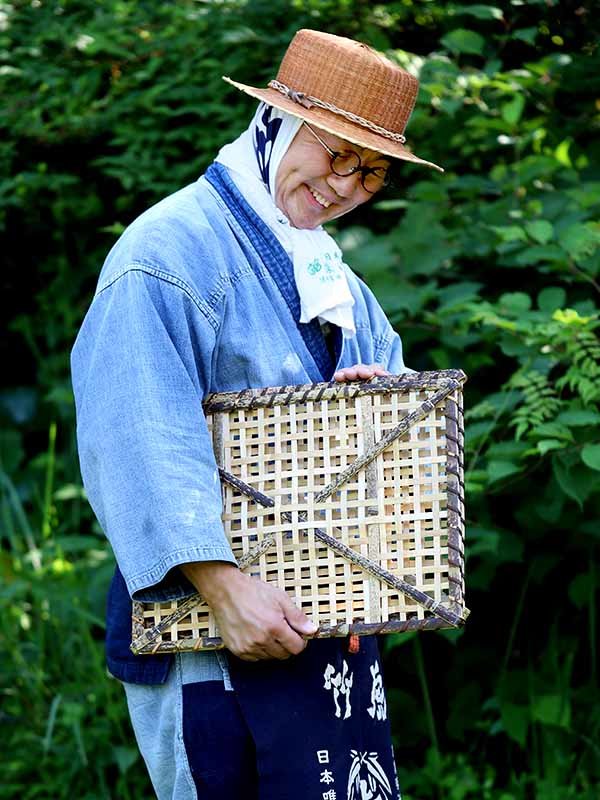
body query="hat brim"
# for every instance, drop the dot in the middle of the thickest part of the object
(334, 124)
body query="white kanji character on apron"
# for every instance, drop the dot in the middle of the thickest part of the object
(340, 683)
(378, 707)
(367, 780)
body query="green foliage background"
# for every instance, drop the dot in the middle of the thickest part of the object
(492, 267)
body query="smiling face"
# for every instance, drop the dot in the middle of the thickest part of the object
(306, 189)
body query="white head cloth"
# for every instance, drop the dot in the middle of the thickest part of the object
(320, 273)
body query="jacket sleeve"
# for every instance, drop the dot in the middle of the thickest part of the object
(387, 344)
(392, 356)
(141, 366)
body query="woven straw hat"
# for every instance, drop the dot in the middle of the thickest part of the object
(345, 88)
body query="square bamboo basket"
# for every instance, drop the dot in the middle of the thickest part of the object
(349, 496)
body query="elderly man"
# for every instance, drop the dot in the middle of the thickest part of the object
(220, 287)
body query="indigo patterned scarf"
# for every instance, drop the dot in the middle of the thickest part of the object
(320, 273)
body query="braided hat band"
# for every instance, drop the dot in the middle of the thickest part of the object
(308, 102)
(347, 89)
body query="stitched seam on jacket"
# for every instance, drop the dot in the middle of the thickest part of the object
(228, 281)
(381, 345)
(167, 561)
(202, 307)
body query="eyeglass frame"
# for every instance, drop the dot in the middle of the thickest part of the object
(364, 171)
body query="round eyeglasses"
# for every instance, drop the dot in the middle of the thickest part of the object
(347, 162)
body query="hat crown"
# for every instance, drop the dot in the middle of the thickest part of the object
(351, 76)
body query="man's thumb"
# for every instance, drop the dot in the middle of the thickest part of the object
(297, 619)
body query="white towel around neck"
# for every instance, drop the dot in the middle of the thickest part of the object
(320, 273)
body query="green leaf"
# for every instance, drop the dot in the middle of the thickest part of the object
(11, 450)
(587, 195)
(580, 241)
(476, 481)
(541, 230)
(545, 445)
(458, 293)
(578, 417)
(539, 253)
(551, 709)
(390, 205)
(569, 316)
(562, 153)
(240, 36)
(125, 757)
(514, 347)
(515, 302)
(549, 505)
(581, 588)
(515, 720)
(479, 11)
(429, 192)
(551, 298)
(464, 41)
(507, 451)
(482, 541)
(116, 228)
(70, 491)
(590, 455)
(510, 233)
(525, 34)
(553, 430)
(421, 241)
(497, 470)
(511, 111)
(591, 528)
(576, 480)
(511, 548)
(543, 565)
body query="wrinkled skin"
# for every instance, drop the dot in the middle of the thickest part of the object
(305, 166)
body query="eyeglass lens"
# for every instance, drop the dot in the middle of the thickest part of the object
(372, 178)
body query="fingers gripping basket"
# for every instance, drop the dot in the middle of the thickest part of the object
(348, 496)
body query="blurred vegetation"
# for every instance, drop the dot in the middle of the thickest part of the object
(492, 267)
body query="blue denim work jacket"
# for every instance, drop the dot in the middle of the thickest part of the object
(196, 296)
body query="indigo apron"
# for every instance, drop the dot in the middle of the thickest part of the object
(314, 727)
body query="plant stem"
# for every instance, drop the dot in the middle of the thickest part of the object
(515, 623)
(428, 708)
(592, 619)
(21, 517)
(47, 510)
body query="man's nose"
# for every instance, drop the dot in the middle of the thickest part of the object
(344, 185)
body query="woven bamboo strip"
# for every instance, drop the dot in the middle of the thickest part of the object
(324, 632)
(302, 393)
(456, 522)
(373, 549)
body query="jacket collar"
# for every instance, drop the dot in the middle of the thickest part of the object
(276, 261)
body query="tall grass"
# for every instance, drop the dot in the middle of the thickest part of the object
(64, 725)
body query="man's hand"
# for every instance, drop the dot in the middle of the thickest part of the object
(359, 372)
(256, 620)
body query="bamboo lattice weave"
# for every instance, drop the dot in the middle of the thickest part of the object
(348, 496)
